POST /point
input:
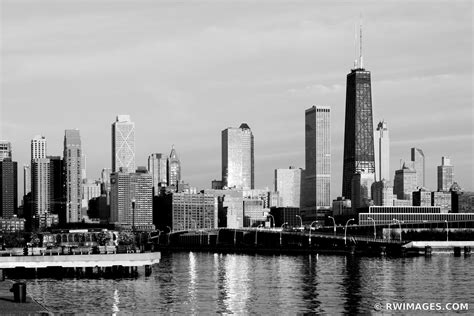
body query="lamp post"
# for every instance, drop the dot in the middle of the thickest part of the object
(301, 221)
(399, 225)
(256, 233)
(334, 222)
(373, 220)
(285, 223)
(159, 234)
(208, 232)
(310, 227)
(345, 231)
(273, 220)
(133, 215)
(447, 230)
(169, 234)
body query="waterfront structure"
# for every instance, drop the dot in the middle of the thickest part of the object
(382, 152)
(157, 167)
(38, 147)
(238, 157)
(131, 199)
(444, 201)
(382, 193)
(174, 168)
(26, 179)
(359, 128)
(418, 160)
(73, 171)
(445, 174)
(8, 187)
(316, 192)
(422, 197)
(405, 182)
(123, 144)
(193, 211)
(407, 218)
(5, 150)
(362, 189)
(40, 189)
(288, 186)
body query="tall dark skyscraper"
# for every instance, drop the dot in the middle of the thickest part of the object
(8, 188)
(358, 133)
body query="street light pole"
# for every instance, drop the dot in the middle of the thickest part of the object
(334, 221)
(169, 234)
(400, 226)
(133, 215)
(273, 220)
(447, 230)
(301, 221)
(285, 223)
(345, 231)
(375, 234)
(310, 227)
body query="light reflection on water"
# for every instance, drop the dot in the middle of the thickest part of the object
(207, 283)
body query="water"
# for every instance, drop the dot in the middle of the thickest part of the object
(207, 283)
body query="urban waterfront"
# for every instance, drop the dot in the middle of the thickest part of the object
(208, 283)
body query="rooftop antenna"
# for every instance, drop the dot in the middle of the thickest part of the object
(355, 46)
(361, 58)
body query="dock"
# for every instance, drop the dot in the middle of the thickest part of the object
(10, 307)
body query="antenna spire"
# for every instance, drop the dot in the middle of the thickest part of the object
(361, 58)
(355, 46)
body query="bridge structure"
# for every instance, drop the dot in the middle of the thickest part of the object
(276, 240)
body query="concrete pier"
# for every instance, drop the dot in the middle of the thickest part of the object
(9, 307)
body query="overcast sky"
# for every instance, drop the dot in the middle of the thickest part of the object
(186, 70)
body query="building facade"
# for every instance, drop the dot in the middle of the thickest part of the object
(194, 211)
(418, 160)
(358, 132)
(5, 150)
(157, 167)
(405, 182)
(445, 174)
(382, 193)
(38, 147)
(382, 152)
(238, 157)
(362, 189)
(316, 192)
(8, 187)
(73, 175)
(26, 179)
(288, 186)
(40, 189)
(174, 168)
(123, 144)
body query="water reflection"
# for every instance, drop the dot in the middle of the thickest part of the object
(205, 283)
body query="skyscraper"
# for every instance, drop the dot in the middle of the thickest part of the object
(445, 174)
(238, 157)
(358, 133)
(316, 197)
(40, 189)
(38, 147)
(26, 179)
(57, 186)
(123, 144)
(5, 150)
(405, 182)
(418, 159)
(72, 165)
(174, 168)
(382, 152)
(157, 167)
(8, 187)
(288, 185)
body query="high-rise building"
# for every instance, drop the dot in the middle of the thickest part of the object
(40, 189)
(238, 157)
(157, 167)
(382, 193)
(57, 186)
(193, 211)
(38, 147)
(362, 189)
(316, 192)
(422, 197)
(382, 152)
(26, 179)
(5, 150)
(358, 132)
(445, 174)
(405, 182)
(83, 166)
(418, 159)
(8, 187)
(123, 144)
(443, 200)
(131, 199)
(90, 190)
(73, 172)
(174, 168)
(288, 186)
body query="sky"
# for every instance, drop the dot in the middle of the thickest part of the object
(186, 70)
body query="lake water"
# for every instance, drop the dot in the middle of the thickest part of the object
(207, 283)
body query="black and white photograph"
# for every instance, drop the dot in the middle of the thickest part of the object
(247, 157)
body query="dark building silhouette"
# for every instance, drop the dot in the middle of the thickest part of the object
(8, 188)
(359, 128)
(56, 187)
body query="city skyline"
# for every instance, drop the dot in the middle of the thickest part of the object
(316, 78)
